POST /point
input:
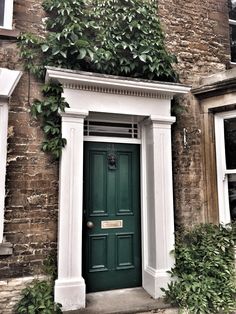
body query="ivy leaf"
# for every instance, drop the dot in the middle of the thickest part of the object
(143, 58)
(82, 53)
(45, 48)
(63, 54)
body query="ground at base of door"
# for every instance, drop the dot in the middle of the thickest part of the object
(124, 301)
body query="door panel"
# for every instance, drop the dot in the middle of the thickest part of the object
(111, 244)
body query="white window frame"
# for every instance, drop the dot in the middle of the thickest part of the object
(8, 81)
(222, 171)
(8, 15)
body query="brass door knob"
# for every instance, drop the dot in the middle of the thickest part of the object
(90, 224)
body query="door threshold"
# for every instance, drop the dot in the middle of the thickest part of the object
(122, 301)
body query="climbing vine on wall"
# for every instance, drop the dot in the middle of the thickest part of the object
(117, 37)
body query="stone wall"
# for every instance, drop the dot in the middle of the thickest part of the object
(32, 176)
(10, 292)
(197, 32)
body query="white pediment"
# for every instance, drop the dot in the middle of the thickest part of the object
(8, 81)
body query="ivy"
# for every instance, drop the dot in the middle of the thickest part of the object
(204, 270)
(130, 40)
(117, 37)
(38, 296)
(48, 110)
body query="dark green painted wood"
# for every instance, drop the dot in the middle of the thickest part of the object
(111, 257)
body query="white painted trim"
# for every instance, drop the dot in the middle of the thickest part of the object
(78, 77)
(232, 22)
(120, 99)
(8, 15)
(222, 178)
(112, 139)
(70, 287)
(8, 81)
(3, 156)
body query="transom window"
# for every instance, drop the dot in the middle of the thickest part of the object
(225, 130)
(111, 129)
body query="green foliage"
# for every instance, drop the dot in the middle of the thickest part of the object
(31, 53)
(107, 36)
(48, 111)
(50, 266)
(204, 270)
(130, 40)
(37, 298)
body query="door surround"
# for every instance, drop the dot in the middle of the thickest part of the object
(150, 101)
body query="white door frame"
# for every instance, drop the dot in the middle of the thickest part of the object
(150, 101)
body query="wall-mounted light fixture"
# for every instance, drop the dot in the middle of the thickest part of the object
(187, 136)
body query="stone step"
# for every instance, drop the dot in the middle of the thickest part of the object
(124, 301)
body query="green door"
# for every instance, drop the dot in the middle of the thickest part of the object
(111, 244)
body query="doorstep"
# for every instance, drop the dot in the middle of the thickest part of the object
(123, 301)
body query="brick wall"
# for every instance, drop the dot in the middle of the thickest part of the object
(32, 177)
(197, 32)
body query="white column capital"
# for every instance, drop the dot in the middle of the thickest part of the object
(159, 121)
(162, 120)
(73, 115)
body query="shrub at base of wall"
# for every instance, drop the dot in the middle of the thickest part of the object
(204, 270)
(10, 292)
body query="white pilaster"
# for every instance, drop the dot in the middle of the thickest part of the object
(3, 159)
(70, 286)
(159, 216)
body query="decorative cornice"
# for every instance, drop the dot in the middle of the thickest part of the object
(117, 91)
(115, 85)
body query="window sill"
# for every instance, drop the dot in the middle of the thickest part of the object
(6, 249)
(9, 33)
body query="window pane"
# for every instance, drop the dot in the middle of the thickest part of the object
(2, 6)
(232, 195)
(232, 9)
(233, 42)
(230, 142)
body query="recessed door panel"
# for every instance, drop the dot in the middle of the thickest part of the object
(125, 251)
(124, 184)
(98, 253)
(97, 183)
(111, 243)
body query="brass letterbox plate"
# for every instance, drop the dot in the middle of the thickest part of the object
(110, 224)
